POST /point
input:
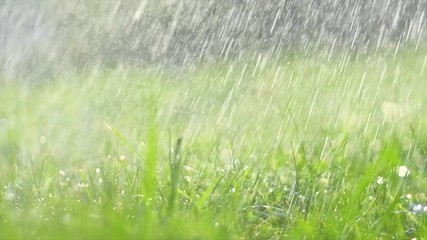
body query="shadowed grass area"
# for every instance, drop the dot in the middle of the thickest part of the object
(287, 148)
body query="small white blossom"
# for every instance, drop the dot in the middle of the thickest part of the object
(418, 208)
(9, 195)
(187, 179)
(380, 180)
(62, 173)
(402, 171)
(188, 168)
(83, 185)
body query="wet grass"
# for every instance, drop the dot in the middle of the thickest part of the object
(301, 148)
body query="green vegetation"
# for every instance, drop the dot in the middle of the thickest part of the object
(296, 148)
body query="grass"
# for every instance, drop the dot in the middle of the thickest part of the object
(296, 148)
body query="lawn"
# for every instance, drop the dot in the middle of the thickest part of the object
(292, 148)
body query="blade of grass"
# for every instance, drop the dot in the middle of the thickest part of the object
(175, 172)
(149, 181)
(121, 137)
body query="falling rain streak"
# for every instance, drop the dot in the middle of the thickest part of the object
(288, 115)
(49, 37)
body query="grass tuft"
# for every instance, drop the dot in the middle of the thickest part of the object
(290, 149)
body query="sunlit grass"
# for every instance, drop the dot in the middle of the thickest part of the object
(291, 148)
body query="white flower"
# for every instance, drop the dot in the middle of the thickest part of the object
(187, 179)
(9, 195)
(380, 180)
(98, 171)
(83, 185)
(402, 171)
(418, 208)
(62, 173)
